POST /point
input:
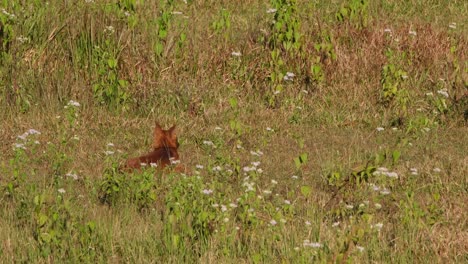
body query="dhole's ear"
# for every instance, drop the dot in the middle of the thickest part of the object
(158, 135)
(172, 133)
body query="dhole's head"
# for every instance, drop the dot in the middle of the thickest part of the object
(165, 138)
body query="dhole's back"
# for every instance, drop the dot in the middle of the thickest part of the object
(164, 152)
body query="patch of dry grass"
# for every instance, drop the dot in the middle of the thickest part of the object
(193, 86)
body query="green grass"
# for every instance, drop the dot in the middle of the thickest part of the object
(316, 194)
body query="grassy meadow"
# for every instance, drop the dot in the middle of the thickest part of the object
(311, 131)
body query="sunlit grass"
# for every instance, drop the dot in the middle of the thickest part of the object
(335, 138)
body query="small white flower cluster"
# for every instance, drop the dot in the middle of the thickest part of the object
(9, 15)
(72, 175)
(22, 39)
(289, 76)
(207, 191)
(249, 186)
(271, 11)
(236, 54)
(109, 29)
(254, 167)
(209, 143)
(256, 153)
(174, 161)
(307, 243)
(377, 226)
(386, 172)
(24, 137)
(72, 103)
(383, 191)
(412, 32)
(443, 92)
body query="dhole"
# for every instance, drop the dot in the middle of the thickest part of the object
(164, 152)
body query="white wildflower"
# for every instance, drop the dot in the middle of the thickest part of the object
(256, 153)
(437, 170)
(379, 129)
(61, 190)
(223, 208)
(110, 144)
(217, 168)
(207, 191)
(273, 222)
(306, 243)
(23, 136)
(153, 164)
(174, 161)
(377, 206)
(73, 103)
(361, 249)
(19, 146)
(271, 10)
(412, 32)
(109, 29)
(287, 202)
(208, 143)
(335, 224)
(377, 226)
(109, 152)
(289, 76)
(274, 182)
(385, 191)
(307, 223)
(236, 54)
(255, 163)
(22, 39)
(72, 175)
(198, 166)
(443, 92)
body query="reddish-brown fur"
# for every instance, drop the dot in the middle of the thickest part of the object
(164, 150)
